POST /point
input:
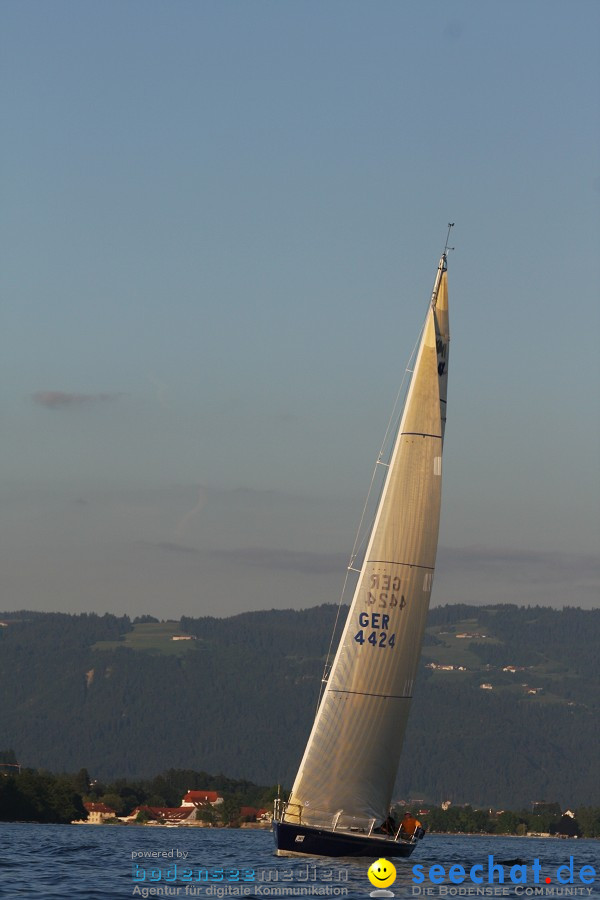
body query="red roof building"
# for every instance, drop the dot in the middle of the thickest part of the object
(201, 798)
(175, 814)
(249, 812)
(252, 814)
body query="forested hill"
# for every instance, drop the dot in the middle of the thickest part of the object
(505, 708)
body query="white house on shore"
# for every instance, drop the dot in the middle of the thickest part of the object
(98, 813)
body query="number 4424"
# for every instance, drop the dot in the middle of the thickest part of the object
(377, 639)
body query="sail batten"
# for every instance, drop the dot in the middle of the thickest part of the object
(351, 759)
(384, 696)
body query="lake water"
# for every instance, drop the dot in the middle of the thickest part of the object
(86, 862)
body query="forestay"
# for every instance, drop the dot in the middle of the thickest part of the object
(352, 755)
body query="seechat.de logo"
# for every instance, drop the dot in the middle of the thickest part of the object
(382, 873)
(516, 873)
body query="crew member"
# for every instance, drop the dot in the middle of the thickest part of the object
(409, 825)
(389, 826)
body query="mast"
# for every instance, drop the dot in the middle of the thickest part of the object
(351, 759)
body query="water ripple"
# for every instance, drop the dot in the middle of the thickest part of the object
(55, 862)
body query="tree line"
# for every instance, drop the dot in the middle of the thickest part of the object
(75, 693)
(33, 796)
(543, 819)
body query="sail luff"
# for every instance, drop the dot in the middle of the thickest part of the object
(352, 755)
(441, 315)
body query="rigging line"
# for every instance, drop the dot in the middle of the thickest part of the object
(361, 538)
(443, 266)
(392, 427)
(333, 632)
(407, 370)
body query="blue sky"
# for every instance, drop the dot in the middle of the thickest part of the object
(220, 228)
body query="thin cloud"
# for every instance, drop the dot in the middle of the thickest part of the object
(161, 390)
(62, 399)
(187, 518)
(171, 547)
(518, 566)
(286, 560)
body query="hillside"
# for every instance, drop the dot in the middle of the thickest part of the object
(125, 699)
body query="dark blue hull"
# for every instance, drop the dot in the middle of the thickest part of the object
(309, 841)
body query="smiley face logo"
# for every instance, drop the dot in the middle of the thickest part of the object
(381, 873)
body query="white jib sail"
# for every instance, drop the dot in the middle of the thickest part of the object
(351, 759)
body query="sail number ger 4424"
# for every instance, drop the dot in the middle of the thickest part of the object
(378, 637)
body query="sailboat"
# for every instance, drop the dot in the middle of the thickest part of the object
(340, 800)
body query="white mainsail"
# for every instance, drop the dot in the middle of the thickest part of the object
(351, 759)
